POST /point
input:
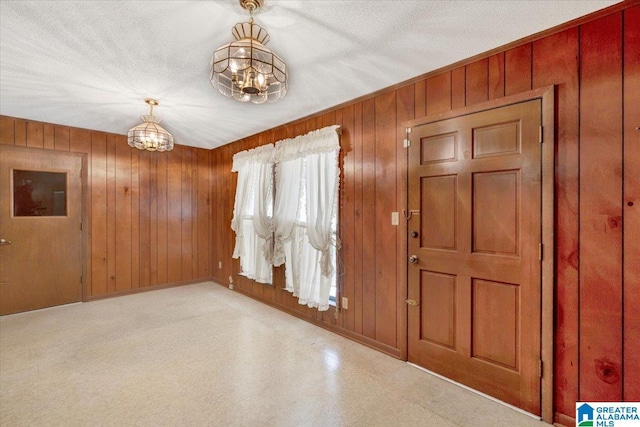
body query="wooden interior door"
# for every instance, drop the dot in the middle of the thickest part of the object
(40, 227)
(475, 279)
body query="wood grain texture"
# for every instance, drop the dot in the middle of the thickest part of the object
(631, 205)
(600, 236)
(386, 239)
(420, 98)
(458, 88)
(368, 219)
(477, 82)
(496, 75)
(518, 68)
(555, 61)
(438, 94)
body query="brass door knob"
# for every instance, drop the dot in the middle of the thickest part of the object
(413, 259)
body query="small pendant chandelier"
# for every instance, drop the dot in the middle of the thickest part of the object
(149, 135)
(245, 69)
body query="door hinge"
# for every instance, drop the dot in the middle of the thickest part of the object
(541, 368)
(406, 143)
(540, 246)
(81, 226)
(81, 279)
(540, 134)
(412, 302)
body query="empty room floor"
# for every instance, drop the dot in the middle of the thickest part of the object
(202, 355)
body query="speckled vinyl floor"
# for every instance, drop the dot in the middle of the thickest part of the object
(202, 355)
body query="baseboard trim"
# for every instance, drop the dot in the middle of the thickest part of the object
(384, 348)
(146, 289)
(562, 420)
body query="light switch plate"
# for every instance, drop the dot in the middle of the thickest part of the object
(395, 218)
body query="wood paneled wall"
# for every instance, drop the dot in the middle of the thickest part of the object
(595, 68)
(149, 213)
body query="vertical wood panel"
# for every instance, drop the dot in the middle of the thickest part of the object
(496, 76)
(136, 218)
(162, 161)
(35, 135)
(20, 133)
(438, 94)
(174, 215)
(204, 233)
(7, 134)
(194, 213)
(123, 214)
(368, 219)
(518, 67)
(98, 214)
(358, 305)
(111, 213)
(420, 96)
(186, 214)
(347, 218)
(477, 82)
(556, 62)
(631, 205)
(153, 219)
(600, 373)
(458, 94)
(144, 220)
(49, 136)
(61, 138)
(385, 202)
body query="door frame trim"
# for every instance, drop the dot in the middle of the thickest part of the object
(84, 208)
(547, 97)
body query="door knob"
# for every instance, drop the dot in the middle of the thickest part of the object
(414, 234)
(413, 259)
(5, 242)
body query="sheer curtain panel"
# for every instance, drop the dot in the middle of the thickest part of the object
(253, 212)
(305, 217)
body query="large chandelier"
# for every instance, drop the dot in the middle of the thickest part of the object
(149, 135)
(245, 69)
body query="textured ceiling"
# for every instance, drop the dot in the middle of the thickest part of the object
(90, 64)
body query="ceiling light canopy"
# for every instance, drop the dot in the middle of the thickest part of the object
(149, 135)
(245, 69)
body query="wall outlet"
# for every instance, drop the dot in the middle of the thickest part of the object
(220, 265)
(230, 282)
(395, 218)
(345, 303)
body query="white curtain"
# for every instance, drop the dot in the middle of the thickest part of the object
(307, 181)
(253, 211)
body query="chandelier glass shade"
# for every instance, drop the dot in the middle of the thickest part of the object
(246, 69)
(149, 135)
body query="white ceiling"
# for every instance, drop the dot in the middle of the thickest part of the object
(91, 64)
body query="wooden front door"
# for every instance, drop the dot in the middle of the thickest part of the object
(475, 235)
(40, 227)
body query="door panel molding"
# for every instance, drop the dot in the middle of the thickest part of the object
(438, 158)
